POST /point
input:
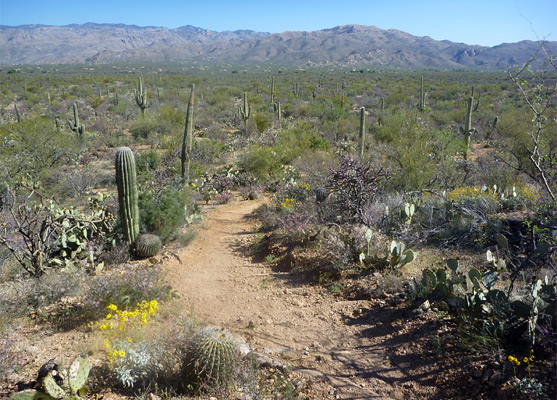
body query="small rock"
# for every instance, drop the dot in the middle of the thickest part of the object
(425, 306)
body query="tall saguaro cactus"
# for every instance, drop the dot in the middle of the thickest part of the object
(272, 90)
(141, 97)
(127, 192)
(244, 112)
(421, 105)
(468, 125)
(75, 126)
(188, 137)
(362, 131)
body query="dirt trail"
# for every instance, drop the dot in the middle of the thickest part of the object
(343, 345)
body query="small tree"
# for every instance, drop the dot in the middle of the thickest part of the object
(538, 89)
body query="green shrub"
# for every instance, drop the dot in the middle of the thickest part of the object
(162, 212)
(262, 162)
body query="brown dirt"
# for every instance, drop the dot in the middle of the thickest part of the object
(366, 344)
(344, 346)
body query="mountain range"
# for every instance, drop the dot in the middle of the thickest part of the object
(348, 45)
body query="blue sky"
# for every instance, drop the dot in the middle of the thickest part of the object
(486, 22)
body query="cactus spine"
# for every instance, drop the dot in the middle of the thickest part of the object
(127, 192)
(362, 130)
(141, 97)
(188, 134)
(75, 126)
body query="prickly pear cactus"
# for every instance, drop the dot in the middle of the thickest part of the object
(147, 245)
(31, 394)
(52, 388)
(78, 373)
(211, 356)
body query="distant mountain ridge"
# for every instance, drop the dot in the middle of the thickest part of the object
(348, 45)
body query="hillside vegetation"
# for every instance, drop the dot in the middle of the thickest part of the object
(429, 194)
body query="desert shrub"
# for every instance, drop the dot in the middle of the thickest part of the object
(147, 161)
(297, 139)
(33, 148)
(44, 235)
(208, 151)
(143, 129)
(354, 186)
(162, 212)
(262, 162)
(126, 285)
(261, 122)
(420, 157)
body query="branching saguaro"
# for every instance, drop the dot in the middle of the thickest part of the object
(141, 97)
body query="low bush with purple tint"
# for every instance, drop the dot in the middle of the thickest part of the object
(297, 226)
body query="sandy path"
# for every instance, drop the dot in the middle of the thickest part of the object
(296, 324)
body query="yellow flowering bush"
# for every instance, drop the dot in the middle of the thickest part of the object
(118, 324)
(460, 194)
(287, 203)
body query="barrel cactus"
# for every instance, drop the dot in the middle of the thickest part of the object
(127, 192)
(321, 195)
(211, 356)
(147, 245)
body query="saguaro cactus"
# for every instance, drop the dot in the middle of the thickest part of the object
(127, 192)
(75, 126)
(421, 104)
(245, 111)
(141, 97)
(278, 112)
(468, 126)
(362, 130)
(272, 90)
(188, 135)
(17, 114)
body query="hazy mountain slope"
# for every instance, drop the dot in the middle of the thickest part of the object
(346, 45)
